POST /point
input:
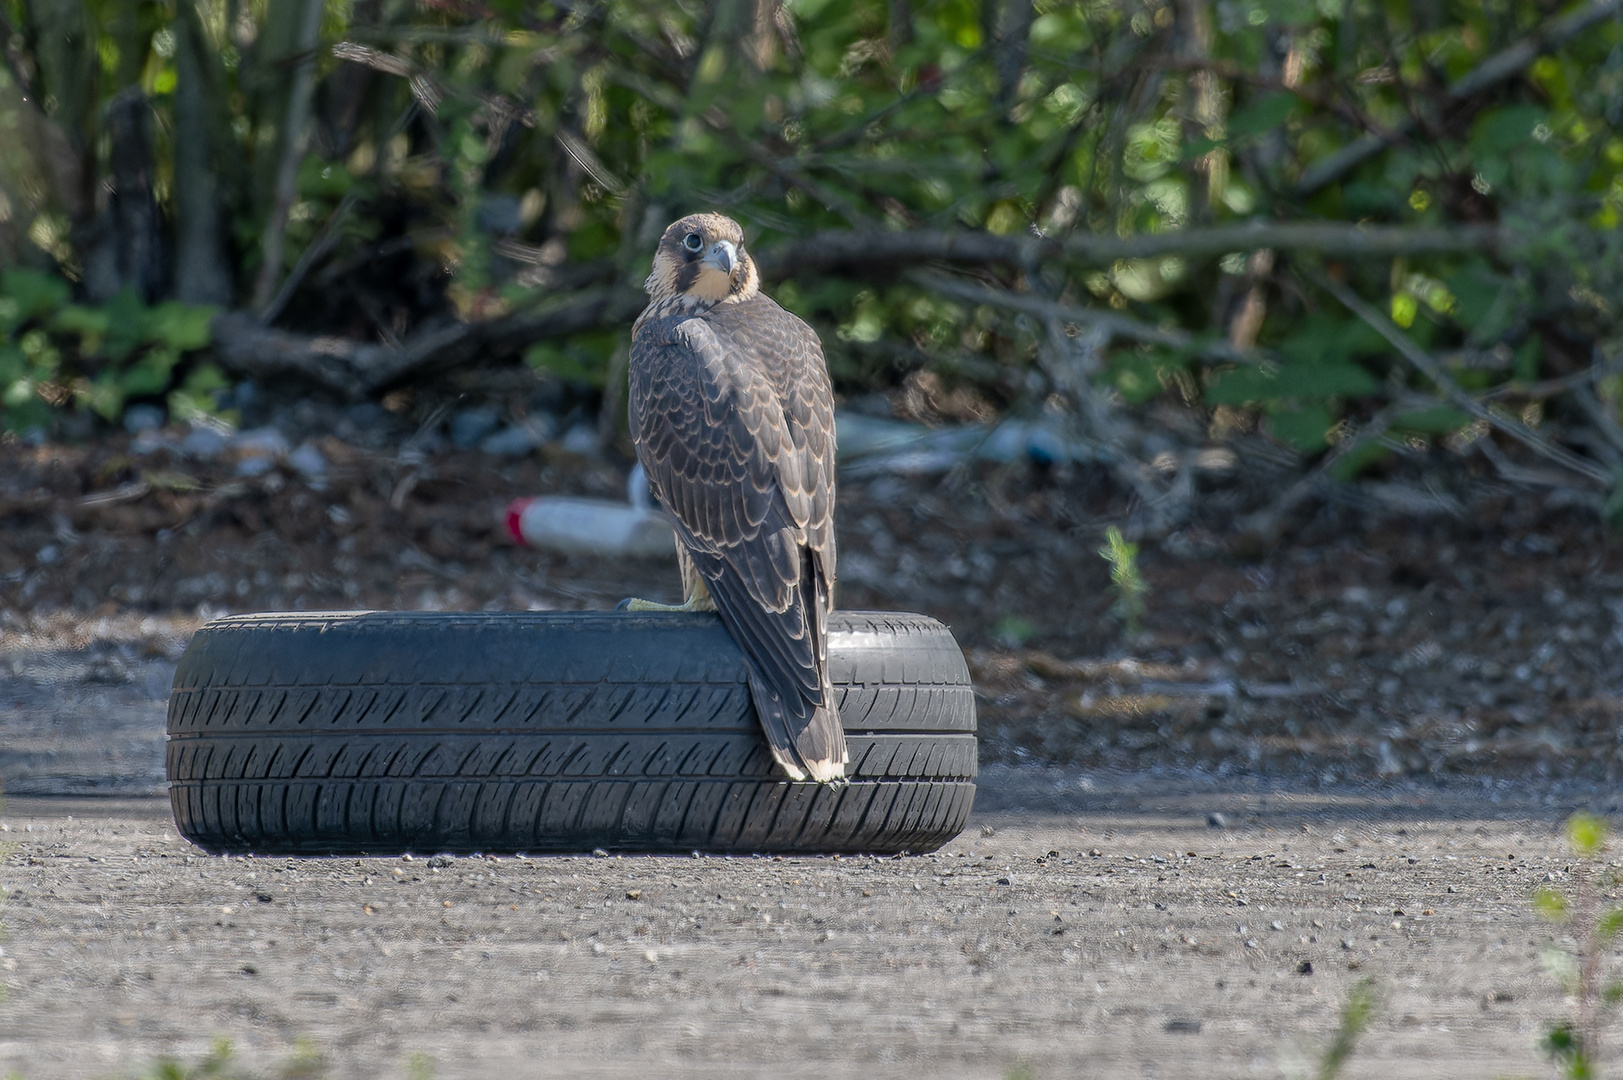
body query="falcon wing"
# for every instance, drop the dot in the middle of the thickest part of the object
(737, 441)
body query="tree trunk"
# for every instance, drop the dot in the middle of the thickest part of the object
(123, 246)
(202, 272)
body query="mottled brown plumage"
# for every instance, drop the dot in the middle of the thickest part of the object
(733, 418)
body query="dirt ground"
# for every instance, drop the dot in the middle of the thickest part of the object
(1385, 709)
(1486, 640)
(1086, 924)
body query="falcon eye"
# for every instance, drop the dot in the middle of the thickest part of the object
(693, 243)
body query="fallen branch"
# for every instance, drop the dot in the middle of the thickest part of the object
(1496, 69)
(1455, 395)
(358, 370)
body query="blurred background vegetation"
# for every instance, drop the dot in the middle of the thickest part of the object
(1359, 229)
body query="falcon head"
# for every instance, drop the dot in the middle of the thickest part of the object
(701, 262)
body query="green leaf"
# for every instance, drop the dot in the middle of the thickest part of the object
(1355, 461)
(1550, 904)
(1438, 420)
(321, 179)
(1306, 429)
(1608, 925)
(180, 326)
(1261, 116)
(1586, 833)
(126, 325)
(150, 374)
(34, 293)
(1499, 131)
(1305, 382)
(105, 396)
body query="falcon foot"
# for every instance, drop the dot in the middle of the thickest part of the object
(698, 598)
(631, 603)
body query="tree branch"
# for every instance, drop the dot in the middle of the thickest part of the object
(358, 370)
(1496, 69)
(1455, 395)
(1111, 323)
(864, 250)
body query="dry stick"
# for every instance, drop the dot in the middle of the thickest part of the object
(1496, 69)
(1547, 388)
(329, 236)
(1603, 419)
(287, 171)
(1266, 523)
(1428, 366)
(315, 251)
(1112, 324)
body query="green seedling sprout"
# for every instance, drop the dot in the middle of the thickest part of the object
(1125, 580)
(1573, 1044)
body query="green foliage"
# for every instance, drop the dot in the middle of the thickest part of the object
(1356, 1012)
(1125, 580)
(1573, 1044)
(1012, 631)
(56, 354)
(492, 139)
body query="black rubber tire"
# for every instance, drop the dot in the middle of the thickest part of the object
(423, 732)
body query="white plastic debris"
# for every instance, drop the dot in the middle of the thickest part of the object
(593, 526)
(872, 446)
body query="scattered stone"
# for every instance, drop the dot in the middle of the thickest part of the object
(1182, 1027)
(514, 441)
(581, 439)
(1305, 968)
(633, 894)
(203, 443)
(308, 461)
(257, 451)
(470, 425)
(139, 418)
(1216, 821)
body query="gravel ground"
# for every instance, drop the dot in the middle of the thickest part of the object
(1087, 923)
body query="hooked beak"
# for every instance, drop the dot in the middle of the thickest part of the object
(723, 256)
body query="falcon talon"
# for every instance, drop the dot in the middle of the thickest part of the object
(733, 416)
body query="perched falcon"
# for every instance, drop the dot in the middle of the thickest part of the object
(733, 418)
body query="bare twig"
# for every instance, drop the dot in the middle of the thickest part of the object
(1496, 69)
(315, 251)
(1266, 524)
(1548, 388)
(1110, 323)
(1428, 366)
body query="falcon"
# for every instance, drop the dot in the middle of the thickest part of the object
(733, 418)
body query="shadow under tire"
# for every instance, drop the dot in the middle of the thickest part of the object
(380, 733)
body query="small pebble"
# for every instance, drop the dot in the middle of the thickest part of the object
(1216, 821)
